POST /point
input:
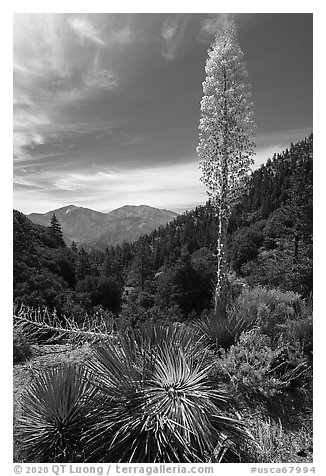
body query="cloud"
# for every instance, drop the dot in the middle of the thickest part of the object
(275, 142)
(40, 45)
(172, 32)
(214, 23)
(163, 186)
(284, 136)
(28, 131)
(22, 186)
(123, 36)
(85, 30)
(169, 29)
(103, 79)
(56, 77)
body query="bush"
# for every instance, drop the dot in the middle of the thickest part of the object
(134, 316)
(257, 368)
(267, 308)
(249, 365)
(258, 307)
(299, 331)
(21, 346)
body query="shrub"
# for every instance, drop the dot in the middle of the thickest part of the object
(252, 308)
(145, 299)
(21, 346)
(249, 366)
(54, 414)
(136, 317)
(267, 308)
(155, 402)
(299, 331)
(292, 364)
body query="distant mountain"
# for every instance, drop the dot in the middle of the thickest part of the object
(96, 229)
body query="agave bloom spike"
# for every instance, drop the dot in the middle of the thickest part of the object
(226, 145)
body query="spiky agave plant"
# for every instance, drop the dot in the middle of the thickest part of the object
(55, 414)
(216, 333)
(155, 403)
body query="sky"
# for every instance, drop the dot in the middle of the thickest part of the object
(107, 106)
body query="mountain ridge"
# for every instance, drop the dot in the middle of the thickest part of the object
(100, 229)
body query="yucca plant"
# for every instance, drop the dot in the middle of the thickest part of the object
(155, 402)
(55, 414)
(223, 332)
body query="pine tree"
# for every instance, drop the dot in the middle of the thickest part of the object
(225, 147)
(74, 248)
(142, 265)
(300, 204)
(55, 229)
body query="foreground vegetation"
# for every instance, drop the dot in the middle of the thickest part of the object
(238, 390)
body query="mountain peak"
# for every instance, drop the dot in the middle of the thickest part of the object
(87, 226)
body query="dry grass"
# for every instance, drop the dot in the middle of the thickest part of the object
(278, 444)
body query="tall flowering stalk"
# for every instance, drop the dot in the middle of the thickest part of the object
(226, 145)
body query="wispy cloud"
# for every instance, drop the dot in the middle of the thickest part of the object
(103, 79)
(123, 36)
(163, 186)
(85, 30)
(271, 143)
(29, 130)
(55, 78)
(284, 136)
(173, 30)
(214, 23)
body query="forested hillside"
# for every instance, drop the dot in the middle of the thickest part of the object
(48, 273)
(171, 270)
(270, 231)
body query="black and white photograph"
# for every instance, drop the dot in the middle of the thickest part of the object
(162, 240)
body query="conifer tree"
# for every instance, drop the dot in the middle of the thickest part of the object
(74, 248)
(142, 265)
(226, 146)
(55, 228)
(300, 204)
